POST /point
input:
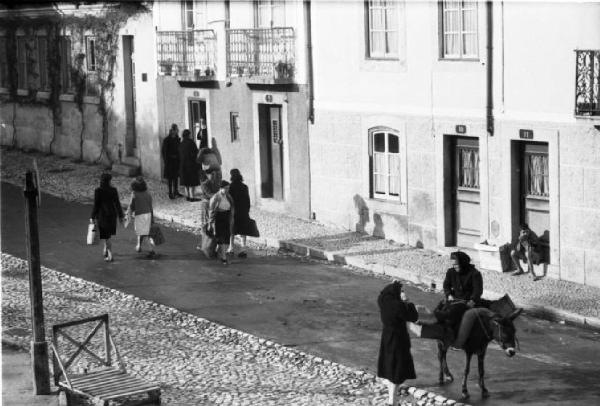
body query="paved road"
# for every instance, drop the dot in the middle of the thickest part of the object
(322, 309)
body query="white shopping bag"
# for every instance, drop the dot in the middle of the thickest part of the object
(91, 234)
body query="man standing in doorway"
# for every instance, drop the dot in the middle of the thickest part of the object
(170, 155)
(526, 248)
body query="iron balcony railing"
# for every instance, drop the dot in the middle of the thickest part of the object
(189, 54)
(587, 94)
(264, 54)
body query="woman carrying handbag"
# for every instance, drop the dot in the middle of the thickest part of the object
(140, 207)
(107, 208)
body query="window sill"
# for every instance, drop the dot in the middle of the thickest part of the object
(91, 99)
(442, 59)
(4, 90)
(43, 95)
(66, 97)
(396, 207)
(587, 117)
(22, 92)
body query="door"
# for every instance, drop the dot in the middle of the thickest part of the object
(197, 122)
(535, 194)
(271, 151)
(466, 211)
(129, 83)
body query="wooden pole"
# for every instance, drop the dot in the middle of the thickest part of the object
(39, 347)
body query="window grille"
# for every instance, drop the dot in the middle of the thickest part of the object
(537, 175)
(459, 29)
(587, 83)
(382, 24)
(468, 176)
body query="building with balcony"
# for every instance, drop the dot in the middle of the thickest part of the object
(235, 73)
(447, 124)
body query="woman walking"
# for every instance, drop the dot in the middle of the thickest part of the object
(241, 219)
(140, 207)
(395, 362)
(222, 211)
(170, 155)
(208, 188)
(107, 208)
(188, 168)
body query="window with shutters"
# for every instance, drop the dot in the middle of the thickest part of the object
(3, 64)
(65, 64)
(22, 63)
(382, 29)
(384, 165)
(458, 33)
(269, 13)
(42, 64)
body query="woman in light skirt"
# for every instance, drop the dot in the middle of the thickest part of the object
(141, 208)
(221, 212)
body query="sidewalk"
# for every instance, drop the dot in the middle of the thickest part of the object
(552, 299)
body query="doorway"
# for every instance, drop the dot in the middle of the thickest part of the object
(530, 191)
(462, 208)
(197, 122)
(271, 151)
(130, 107)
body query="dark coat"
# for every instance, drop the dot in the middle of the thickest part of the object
(170, 156)
(188, 168)
(241, 200)
(395, 361)
(107, 208)
(465, 285)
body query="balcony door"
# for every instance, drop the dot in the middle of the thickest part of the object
(269, 13)
(271, 151)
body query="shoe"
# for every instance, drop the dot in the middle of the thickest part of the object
(151, 254)
(516, 273)
(105, 253)
(108, 257)
(138, 248)
(242, 255)
(225, 262)
(171, 196)
(177, 194)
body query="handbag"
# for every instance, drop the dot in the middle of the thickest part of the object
(156, 234)
(91, 233)
(252, 229)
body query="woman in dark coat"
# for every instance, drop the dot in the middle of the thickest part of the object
(170, 155)
(241, 200)
(395, 361)
(107, 208)
(188, 168)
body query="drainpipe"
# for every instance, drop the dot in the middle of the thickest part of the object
(309, 61)
(489, 68)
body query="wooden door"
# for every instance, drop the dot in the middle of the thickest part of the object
(271, 151)
(535, 193)
(467, 212)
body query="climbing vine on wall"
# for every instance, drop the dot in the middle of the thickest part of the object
(104, 26)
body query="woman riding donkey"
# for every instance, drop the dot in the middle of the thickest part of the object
(463, 287)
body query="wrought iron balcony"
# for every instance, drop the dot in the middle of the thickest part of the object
(188, 55)
(587, 82)
(261, 55)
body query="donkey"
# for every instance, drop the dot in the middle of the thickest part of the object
(487, 327)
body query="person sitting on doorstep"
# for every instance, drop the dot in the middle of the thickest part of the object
(526, 248)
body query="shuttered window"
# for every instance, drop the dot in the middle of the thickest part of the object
(382, 21)
(459, 29)
(270, 13)
(3, 63)
(65, 64)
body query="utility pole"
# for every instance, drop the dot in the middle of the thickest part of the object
(39, 346)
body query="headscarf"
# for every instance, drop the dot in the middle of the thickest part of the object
(139, 185)
(236, 175)
(105, 179)
(464, 260)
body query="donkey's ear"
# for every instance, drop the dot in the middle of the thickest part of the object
(515, 314)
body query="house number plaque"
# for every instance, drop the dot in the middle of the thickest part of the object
(526, 134)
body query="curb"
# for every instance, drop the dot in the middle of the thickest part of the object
(549, 313)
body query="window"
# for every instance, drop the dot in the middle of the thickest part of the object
(3, 63)
(65, 64)
(537, 175)
(90, 53)
(382, 25)
(468, 167)
(42, 48)
(234, 118)
(269, 13)
(22, 63)
(194, 14)
(385, 164)
(459, 29)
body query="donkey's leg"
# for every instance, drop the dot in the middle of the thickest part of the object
(465, 392)
(480, 359)
(445, 375)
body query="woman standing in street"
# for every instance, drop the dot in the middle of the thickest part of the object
(107, 208)
(170, 155)
(140, 207)
(188, 168)
(241, 201)
(208, 188)
(222, 212)
(395, 361)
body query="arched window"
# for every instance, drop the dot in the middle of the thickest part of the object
(384, 163)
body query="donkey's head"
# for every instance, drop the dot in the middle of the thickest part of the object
(505, 332)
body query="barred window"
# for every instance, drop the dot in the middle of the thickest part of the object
(459, 29)
(385, 164)
(468, 169)
(382, 22)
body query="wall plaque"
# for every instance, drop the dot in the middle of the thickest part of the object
(461, 129)
(526, 134)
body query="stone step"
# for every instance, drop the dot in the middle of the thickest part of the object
(126, 170)
(131, 161)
